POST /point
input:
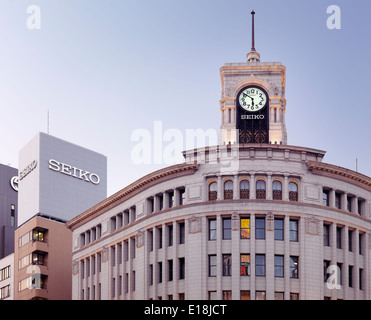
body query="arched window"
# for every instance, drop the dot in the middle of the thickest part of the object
(277, 190)
(228, 190)
(244, 189)
(293, 191)
(213, 191)
(260, 189)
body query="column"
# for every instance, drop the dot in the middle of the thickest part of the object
(236, 187)
(220, 188)
(285, 188)
(269, 187)
(252, 186)
(332, 198)
(252, 256)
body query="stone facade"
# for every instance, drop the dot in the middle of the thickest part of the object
(170, 236)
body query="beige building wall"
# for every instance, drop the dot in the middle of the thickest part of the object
(42, 260)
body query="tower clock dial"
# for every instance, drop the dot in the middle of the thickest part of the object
(252, 99)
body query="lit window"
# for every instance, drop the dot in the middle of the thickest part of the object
(245, 228)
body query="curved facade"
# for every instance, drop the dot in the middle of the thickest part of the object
(244, 221)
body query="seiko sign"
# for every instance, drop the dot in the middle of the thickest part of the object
(73, 171)
(28, 169)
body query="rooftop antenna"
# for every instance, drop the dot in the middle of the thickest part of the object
(252, 32)
(253, 56)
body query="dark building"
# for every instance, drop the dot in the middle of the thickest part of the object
(8, 208)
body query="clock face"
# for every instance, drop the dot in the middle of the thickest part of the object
(252, 99)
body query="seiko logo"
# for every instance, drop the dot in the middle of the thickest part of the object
(73, 171)
(252, 116)
(28, 169)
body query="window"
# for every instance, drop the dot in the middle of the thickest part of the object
(212, 229)
(227, 295)
(260, 265)
(181, 232)
(213, 192)
(326, 235)
(228, 190)
(350, 276)
(294, 267)
(338, 200)
(326, 264)
(278, 266)
(245, 228)
(181, 268)
(182, 196)
(293, 191)
(170, 235)
(171, 199)
(227, 265)
(150, 277)
(245, 265)
(260, 228)
(212, 265)
(4, 273)
(325, 198)
(277, 190)
(259, 295)
(360, 244)
(244, 189)
(159, 275)
(212, 295)
(278, 229)
(245, 295)
(350, 240)
(227, 228)
(159, 237)
(260, 189)
(38, 234)
(294, 230)
(12, 215)
(360, 279)
(349, 203)
(340, 273)
(170, 270)
(294, 296)
(339, 237)
(278, 295)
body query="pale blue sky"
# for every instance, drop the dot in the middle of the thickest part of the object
(107, 68)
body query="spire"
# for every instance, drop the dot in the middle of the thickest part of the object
(252, 32)
(253, 55)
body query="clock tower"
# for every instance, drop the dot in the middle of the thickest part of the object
(253, 103)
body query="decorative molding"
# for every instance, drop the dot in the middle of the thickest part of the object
(270, 221)
(235, 221)
(312, 226)
(194, 224)
(139, 239)
(75, 267)
(105, 254)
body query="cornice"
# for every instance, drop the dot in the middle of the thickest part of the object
(341, 173)
(132, 189)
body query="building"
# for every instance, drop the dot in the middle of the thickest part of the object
(8, 209)
(57, 180)
(7, 277)
(251, 218)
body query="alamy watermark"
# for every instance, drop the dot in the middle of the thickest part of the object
(166, 147)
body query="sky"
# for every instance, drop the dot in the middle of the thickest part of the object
(107, 70)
